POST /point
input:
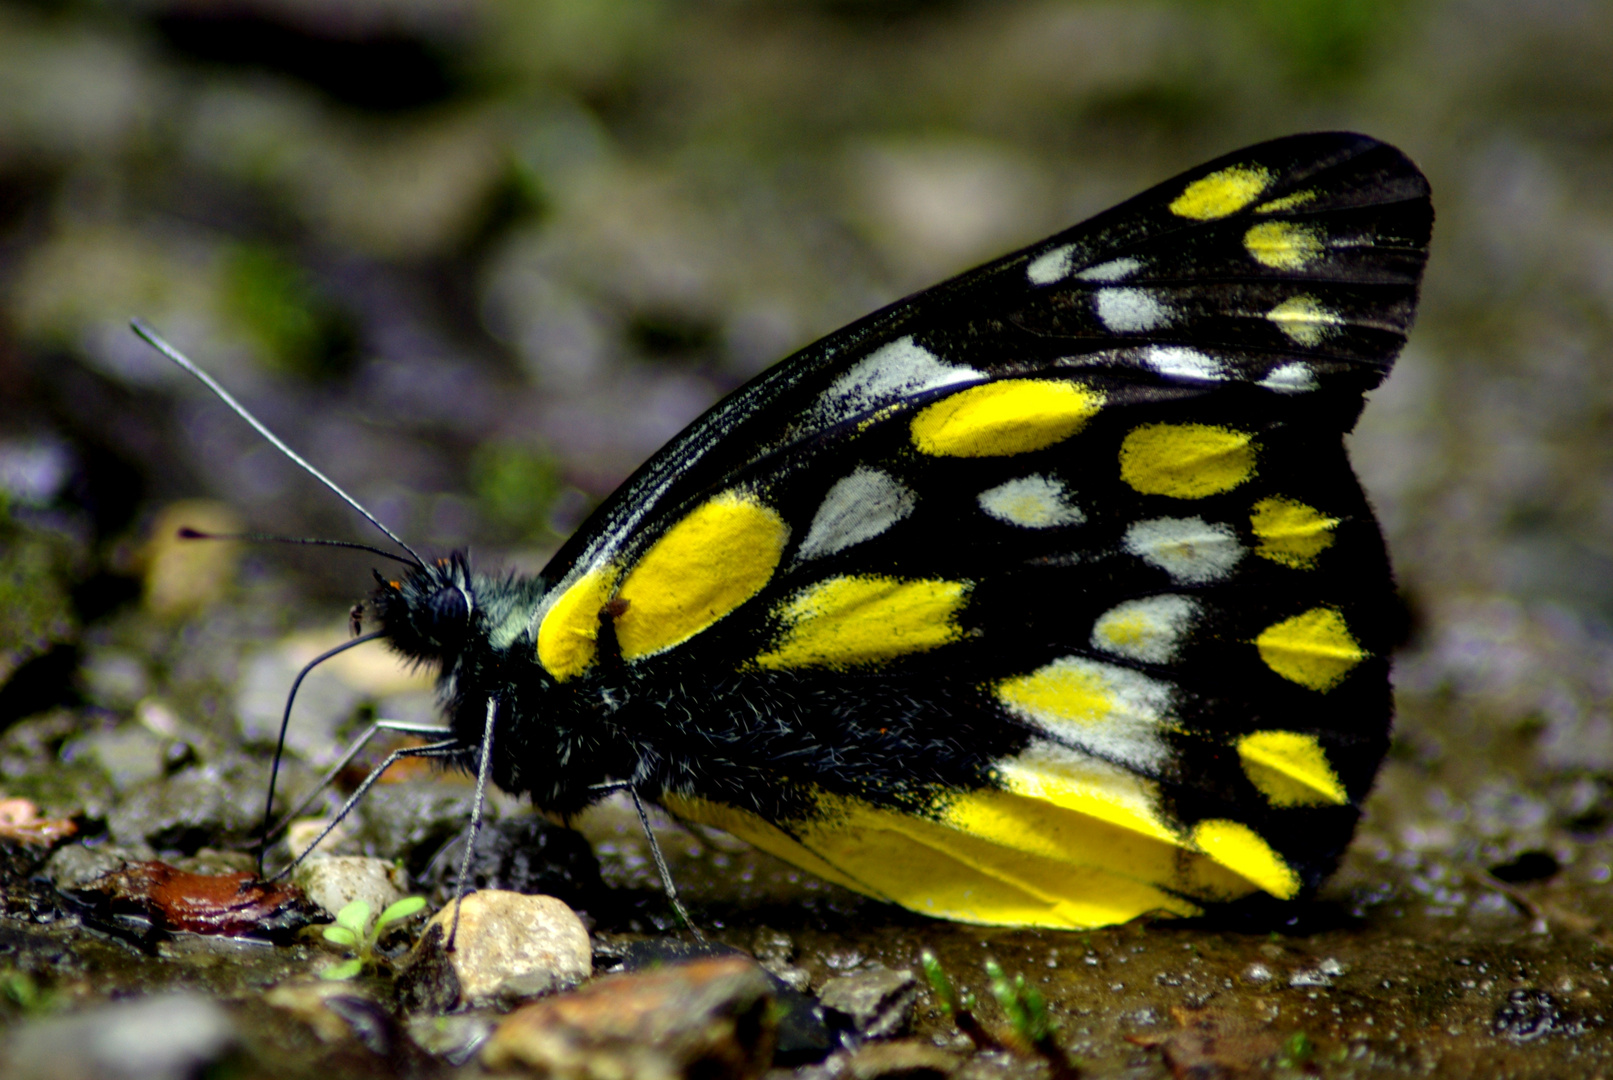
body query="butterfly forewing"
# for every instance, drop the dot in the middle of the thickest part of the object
(1046, 596)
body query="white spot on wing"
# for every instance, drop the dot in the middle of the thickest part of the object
(1110, 711)
(1113, 270)
(1292, 378)
(858, 507)
(1150, 629)
(891, 372)
(1191, 550)
(1180, 362)
(1130, 311)
(1034, 502)
(1050, 266)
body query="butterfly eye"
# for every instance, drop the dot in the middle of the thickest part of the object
(449, 606)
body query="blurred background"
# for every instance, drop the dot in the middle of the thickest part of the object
(478, 259)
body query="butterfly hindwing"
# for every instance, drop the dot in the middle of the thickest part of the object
(1046, 596)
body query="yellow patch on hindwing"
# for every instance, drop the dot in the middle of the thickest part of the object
(716, 558)
(1186, 461)
(1010, 416)
(848, 621)
(1240, 849)
(1289, 532)
(1290, 769)
(1314, 649)
(1283, 245)
(1223, 192)
(568, 636)
(758, 832)
(1073, 843)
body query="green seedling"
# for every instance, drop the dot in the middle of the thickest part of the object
(1022, 1004)
(1297, 1050)
(353, 930)
(946, 995)
(20, 988)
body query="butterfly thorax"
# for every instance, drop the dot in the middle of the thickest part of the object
(556, 744)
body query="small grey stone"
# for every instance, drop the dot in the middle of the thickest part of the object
(129, 754)
(172, 1036)
(322, 706)
(114, 679)
(334, 881)
(775, 951)
(876, 1003)
(75, 865)
(203, 806)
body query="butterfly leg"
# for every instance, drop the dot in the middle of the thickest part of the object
(401, 726)
(483, 769)
(445, 749)
(661, 867)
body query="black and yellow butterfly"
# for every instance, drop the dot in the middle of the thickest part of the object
(1044, 597)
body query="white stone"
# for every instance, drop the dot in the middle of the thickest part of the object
(334, 881)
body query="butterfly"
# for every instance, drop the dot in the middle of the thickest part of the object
(1043, 597)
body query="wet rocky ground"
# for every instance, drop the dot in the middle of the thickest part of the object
(478, 260)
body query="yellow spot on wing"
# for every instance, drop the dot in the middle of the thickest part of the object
(1314, 649)
(1304, 320)
(1291, 769)
(1221, 193)
(1186, 461)
(1287, 202)
(1011, 416)
(1290, 532)
(568, 634)
(1240, 849)
(705, 566)
(846, 621)
(1283, 245)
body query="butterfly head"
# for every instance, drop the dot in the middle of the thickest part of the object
(429, 613)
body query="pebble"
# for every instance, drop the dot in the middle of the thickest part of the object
(334, 881)
(901, 1060)
(709, 1018)
(876, 1003)
(776, 951)
(201, 805)
(510, 946)
(170, 1037)
(454, 1038)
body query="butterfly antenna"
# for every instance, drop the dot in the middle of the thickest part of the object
(188, 533)
(285, 724)
(152, 338)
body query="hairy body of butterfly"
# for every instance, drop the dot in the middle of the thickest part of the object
(1046, 596)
